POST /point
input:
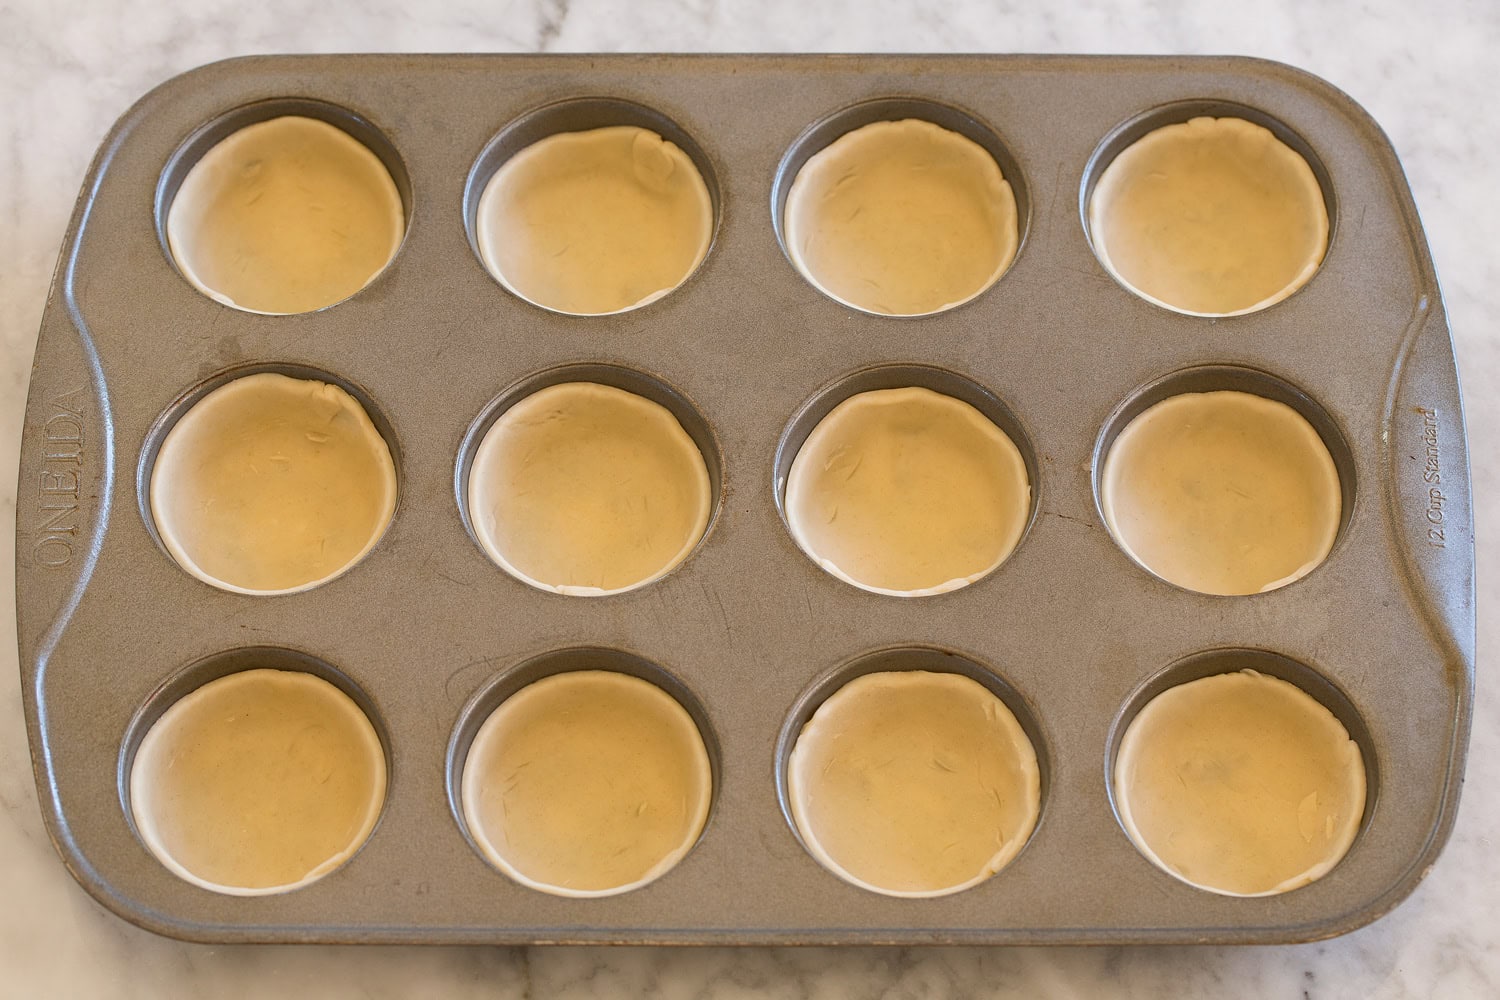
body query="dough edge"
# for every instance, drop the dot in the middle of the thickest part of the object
(697, 462)
(1011, 454)
(337, 700)
(672, 711)
(1124, 757)
(1020, 743)
(245, 136)
(791, 220)
(1097, 229)
(283, 383)
(484, 237)
(1267, 408)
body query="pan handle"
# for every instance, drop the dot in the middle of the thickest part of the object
(63, 490)
(1428, 485)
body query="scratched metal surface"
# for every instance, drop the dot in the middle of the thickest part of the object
(110, 627)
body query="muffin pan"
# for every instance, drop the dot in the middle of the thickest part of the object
(428, 636)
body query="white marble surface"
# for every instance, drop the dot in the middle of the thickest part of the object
(1427, 73)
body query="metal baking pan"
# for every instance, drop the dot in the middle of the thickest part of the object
(427, 628)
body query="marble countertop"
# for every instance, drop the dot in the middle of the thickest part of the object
(67, 71)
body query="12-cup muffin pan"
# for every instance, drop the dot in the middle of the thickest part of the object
(427, 635)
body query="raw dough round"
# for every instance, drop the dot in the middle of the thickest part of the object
(1241, 784)
(907, 492)
(595, 222)
(911, 783)
(259, 782)
(271, 484)
(901, 218)
(285, 216)
(586, 489)
(588, 783)
(1211, 217)
(1222, 492)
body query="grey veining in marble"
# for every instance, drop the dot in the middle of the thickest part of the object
(1427, 73)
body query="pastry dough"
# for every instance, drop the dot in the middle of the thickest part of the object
(587, 783)
(1241, 784)
(912, 783)
(595, 222)
(1222, 492)
(907, 492)
(271, 484)
(285, 216)
(901, 218)
(259, 782)
(586, 489)
(1212, 217)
